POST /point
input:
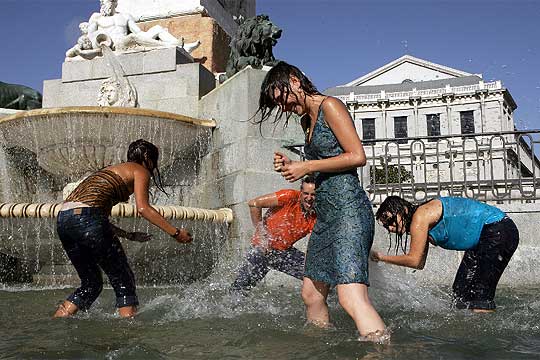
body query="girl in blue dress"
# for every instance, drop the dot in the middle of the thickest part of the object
(338, 249)
(488, 237)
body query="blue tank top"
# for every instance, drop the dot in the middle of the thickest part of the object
(462, 221)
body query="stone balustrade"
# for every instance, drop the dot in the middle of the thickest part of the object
(50, 210)
(405, 95)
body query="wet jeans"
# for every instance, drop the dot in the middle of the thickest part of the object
(481, 268)
(258, 263)
(91, 245)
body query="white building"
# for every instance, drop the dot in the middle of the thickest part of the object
(399, 106)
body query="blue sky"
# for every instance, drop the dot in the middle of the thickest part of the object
(332, 41)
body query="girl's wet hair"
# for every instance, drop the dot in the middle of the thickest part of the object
(279, 78)
(140, 151)
(387, 214)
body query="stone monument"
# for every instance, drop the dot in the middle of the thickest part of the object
(213, 22)
(213, 156)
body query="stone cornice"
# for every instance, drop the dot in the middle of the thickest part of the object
(445, 93)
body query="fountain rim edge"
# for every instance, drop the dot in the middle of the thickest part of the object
(211, 123)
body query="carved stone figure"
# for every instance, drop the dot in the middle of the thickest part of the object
(84, 47)
(252, 44)
(119, 31)
(112, 93)
(19, 97)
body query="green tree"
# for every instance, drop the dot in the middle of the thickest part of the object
(396, 174)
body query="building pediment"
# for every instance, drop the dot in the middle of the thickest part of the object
(407, 68)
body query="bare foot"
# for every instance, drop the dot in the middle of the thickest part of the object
(66, 309)
(127, 311)
(482, 311)
(378, 337)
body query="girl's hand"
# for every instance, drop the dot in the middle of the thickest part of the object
(375, 256)
(139, 236)
(183, 236)
(295, 170)
(280, 160)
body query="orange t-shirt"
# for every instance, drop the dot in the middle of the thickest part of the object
(284, 224)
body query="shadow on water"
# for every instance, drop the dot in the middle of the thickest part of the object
(202, 321)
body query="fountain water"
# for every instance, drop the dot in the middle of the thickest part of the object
(211, 164)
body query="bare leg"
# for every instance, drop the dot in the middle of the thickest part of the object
(482, 311)
(66, 309)
(314, 294)
(127, 311)
(354, 299)
(163, 34)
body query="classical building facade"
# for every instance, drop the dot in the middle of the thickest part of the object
(428, 128)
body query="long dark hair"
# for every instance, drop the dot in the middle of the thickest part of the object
(387, 214)
(140, 152)
(279, 78)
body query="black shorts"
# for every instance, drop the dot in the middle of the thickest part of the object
(481, 268)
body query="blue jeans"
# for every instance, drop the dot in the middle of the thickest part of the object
(481, 268)
(91, 245)
(258, 263)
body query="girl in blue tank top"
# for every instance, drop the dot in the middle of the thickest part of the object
(488, 237)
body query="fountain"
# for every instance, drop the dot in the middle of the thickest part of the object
(210, 155)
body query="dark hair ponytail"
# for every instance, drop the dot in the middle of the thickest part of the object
(140, 152)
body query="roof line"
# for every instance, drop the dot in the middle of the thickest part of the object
(401, 60)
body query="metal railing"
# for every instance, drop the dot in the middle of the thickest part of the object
(498, 166)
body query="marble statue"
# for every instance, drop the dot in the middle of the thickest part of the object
(120, 32)
(84, 47)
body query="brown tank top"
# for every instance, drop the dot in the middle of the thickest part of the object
(103, 189)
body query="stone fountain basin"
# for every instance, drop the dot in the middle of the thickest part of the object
(159, 261)
(28, 233)
(73, 141)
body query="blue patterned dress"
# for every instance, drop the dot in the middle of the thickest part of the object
(339, 245)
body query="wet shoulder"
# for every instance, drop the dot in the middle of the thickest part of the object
(332, 106)
(430, 212)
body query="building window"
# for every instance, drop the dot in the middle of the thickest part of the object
(433, 125)
(467, 122)
(368, 130)
(400, 129)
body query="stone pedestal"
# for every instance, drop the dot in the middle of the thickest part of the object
(214, 49)
(239, 165)
(164, 79)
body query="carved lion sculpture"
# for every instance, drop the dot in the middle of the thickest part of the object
(19, 97)
(252, 45)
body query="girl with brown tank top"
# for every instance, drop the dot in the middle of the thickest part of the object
(91, 241)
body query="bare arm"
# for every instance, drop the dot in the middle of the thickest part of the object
(131, 236)
(415, 258)
(92, 23)
(341, 124)
(141, 185)
(426, 216)
(257, 204)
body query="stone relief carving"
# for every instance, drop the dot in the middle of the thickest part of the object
(112, 93)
